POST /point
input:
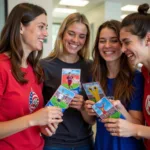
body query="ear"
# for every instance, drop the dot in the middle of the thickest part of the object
(148, 39)
(21, 28)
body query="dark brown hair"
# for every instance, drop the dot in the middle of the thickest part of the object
(10, 41)
(138, 23)
(122, 87)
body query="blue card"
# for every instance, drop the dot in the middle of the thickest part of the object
(61, 98)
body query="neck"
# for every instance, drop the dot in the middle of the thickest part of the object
(113, 69)
(24, 63)
(69, 58)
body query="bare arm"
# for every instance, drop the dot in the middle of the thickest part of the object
(41, 117)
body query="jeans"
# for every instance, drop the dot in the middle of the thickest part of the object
(72, 148)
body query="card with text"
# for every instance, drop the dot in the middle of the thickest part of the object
(71, 79)
(93, 90)
(61, 98)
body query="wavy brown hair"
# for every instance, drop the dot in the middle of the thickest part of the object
(72, 18)
(10, 41)
(122, 88)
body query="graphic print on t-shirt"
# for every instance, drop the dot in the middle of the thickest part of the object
(147, 104)
(33, 101)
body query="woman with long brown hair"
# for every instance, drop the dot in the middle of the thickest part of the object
(119, 81)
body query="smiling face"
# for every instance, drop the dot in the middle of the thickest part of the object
(109, 45)
(33, 35)
(74, 38)
(134, 47)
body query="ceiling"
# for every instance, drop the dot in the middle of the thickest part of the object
(92, 4)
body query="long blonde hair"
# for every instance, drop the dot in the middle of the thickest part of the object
(58, 48)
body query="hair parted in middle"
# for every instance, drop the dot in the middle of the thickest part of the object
(72, 18)
(123, 87)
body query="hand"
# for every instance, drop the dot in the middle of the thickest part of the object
(46, 116)
(117, 104)
(50, 129)
(88, 107)
(77, 102)
(120, 127)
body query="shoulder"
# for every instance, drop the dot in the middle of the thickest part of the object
(138, 78)
(87, 62)
(47, 62)
(138, 75)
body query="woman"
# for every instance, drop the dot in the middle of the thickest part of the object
(70, 51)
(21, 81)
(118, 80)
(135, 38)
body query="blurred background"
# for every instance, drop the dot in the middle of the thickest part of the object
(97, 11)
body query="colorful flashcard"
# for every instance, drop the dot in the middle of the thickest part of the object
(71, 79)
(61, 98)
(105, 109)
(93, 90)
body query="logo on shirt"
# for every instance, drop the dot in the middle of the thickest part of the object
(33, 101)
(147, 104)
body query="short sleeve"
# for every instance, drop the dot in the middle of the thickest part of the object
(3, 79)
(137, 96)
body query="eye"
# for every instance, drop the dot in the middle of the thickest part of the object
(102, 41)
(82, 36)
(71, 33)
(41, 27)
(114, 41)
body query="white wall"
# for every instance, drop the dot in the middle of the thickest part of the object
(47, 5)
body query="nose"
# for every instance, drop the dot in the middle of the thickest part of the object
(45, 33)
(123, 49)
(75, 38)
(107, 44)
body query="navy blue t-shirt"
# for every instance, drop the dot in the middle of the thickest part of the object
(104, 140)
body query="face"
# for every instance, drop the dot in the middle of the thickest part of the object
(33, 35)
(133, 47)
(109, 45)
(74, 38)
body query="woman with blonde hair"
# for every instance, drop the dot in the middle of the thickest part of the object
(71, 51)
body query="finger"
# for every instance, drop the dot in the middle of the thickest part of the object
(109, 120)
(52, 128)
(48, 131)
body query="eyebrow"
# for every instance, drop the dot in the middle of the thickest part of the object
(123, 40)
(110, 38)
(80, 33)
(43, 24)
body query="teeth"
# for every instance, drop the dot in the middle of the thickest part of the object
(108, 52)
(73, 46)
(41, 40)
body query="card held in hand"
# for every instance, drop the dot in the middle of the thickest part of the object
(61, 98)
(105, 109)
(93, 91)
(71, 79)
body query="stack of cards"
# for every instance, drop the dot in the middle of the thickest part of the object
(94, 91)
(71, 79)
(61, 98)
(105, 109)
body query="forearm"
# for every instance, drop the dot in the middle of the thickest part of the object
(142, 131)
(8, 128)
(89, 119)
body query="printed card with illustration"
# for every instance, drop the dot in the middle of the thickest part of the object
(71, 79)
(93, 90)
(61, 98)
(105, 109)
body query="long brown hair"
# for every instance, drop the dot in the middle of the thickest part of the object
(10, 41)
(72, 18)
(122, 87)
